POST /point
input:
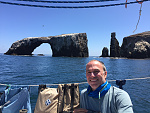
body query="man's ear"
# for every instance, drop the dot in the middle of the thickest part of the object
(105, 74)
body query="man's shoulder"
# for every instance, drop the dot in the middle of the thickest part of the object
(119, 91)
(84, 91)
(84, 94)
(122, 99)
(120, 94)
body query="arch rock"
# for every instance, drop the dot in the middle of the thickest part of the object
(68, 45)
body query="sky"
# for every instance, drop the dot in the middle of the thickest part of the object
(19, 22)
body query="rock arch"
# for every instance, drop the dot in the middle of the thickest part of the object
(69, 45)
(42, 50)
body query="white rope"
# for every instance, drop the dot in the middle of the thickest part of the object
(71, 83)
(138, 78)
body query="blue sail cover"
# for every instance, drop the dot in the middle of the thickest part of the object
(13, 100)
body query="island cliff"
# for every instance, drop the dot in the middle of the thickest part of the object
(134, 46)
(69, 45)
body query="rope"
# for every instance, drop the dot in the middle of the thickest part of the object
(138, 78)
(73, 7)
(66, 1)
(139, 18)
(71, 83)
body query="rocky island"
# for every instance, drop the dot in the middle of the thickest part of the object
(134, 46)
(69, 45)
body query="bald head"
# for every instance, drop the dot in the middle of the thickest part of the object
(104, 68)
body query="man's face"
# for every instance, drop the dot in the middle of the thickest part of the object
(95, 74)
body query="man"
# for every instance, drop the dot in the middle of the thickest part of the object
(100, 96)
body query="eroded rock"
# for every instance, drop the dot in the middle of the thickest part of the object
(70, 45)
(136, 46)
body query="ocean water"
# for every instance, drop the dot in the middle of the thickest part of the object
(35, 70)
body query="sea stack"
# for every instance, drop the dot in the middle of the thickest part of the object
(105, 52)
(114, 46)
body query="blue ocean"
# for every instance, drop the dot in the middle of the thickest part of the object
(36, 70)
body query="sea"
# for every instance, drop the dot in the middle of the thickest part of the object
(36, 70)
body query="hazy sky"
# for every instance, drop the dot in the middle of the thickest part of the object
(18, 22)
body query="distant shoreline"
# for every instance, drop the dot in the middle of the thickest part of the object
(40, 55)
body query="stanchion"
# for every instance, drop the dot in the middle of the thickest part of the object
(41, 87)
(120, 83)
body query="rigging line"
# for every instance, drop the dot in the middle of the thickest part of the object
(66, 1)
(138, 78)
(76, 83)
(73, 7)
(139, 18)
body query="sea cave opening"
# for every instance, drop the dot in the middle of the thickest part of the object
(43, 50)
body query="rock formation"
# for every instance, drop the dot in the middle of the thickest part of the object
(105, 52)
(69, 45)
(114, 46)
(136, 46)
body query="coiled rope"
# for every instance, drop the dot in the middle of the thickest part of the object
(73, 7)
(70, 83)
